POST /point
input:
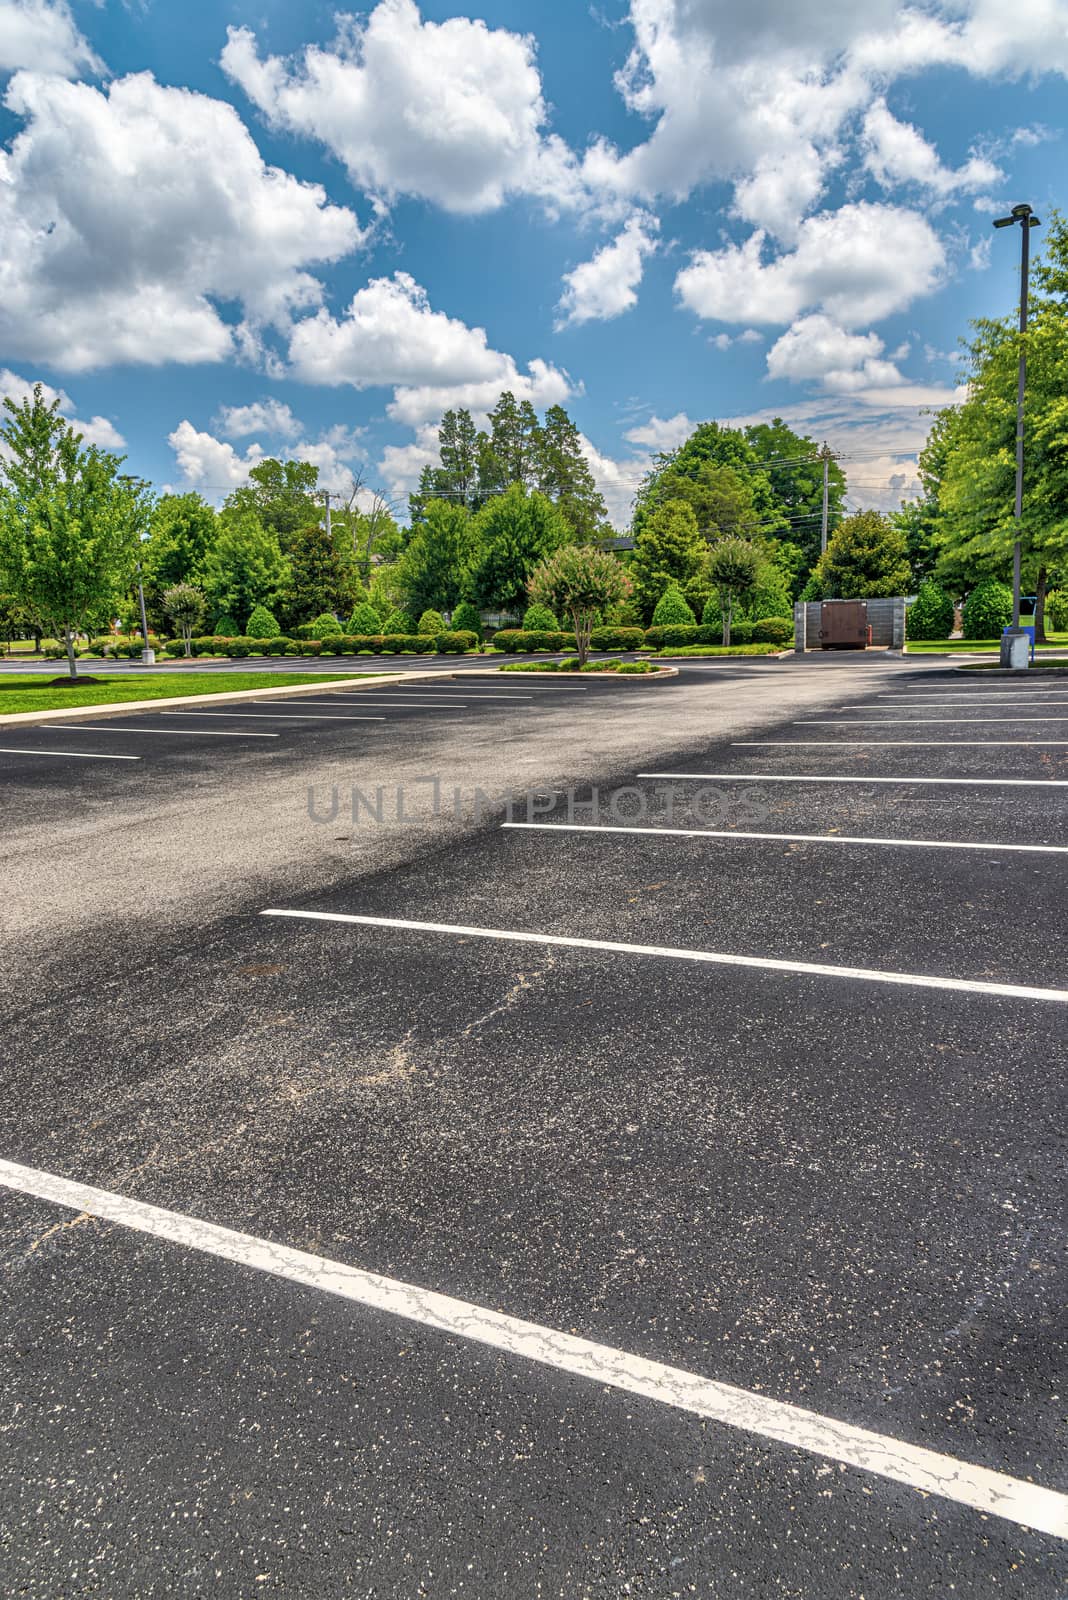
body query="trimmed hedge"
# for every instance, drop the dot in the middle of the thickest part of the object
(741, 632)
(772, 630)
(456, 643)
(521, 641)
(617, 638)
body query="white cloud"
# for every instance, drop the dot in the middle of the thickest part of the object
(607, 284)
(269, 417)
(451, 112)
(391, 336)
(858, 264)
(817, 348)
(212, 464)
(43, 37)
(662, 433)
(402, 464)
(130, 215)
(897, 153)
(98, 430)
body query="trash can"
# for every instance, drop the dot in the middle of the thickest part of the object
(1017, 647)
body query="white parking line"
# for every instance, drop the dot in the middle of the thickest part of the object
(928, 1472)
(935, 705)
(790, 838)
(918, 744)
(917, 722)
(271, 716)
(363, 700)
(788, 777)
(669, 952)
(80, 755)
(163, 733)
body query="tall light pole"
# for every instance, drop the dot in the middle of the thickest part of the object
(1027, 220)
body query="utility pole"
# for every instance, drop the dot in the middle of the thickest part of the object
(327, 497)
(826, 456)
(147, 656)
(1026, 218)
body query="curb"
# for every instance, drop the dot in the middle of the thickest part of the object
(120, 708)
(1017, 672)
(616, 677)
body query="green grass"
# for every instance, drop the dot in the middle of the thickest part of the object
(723, 650)
(28, 692)
(1041, 664)
(920, 647)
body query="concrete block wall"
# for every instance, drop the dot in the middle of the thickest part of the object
(886, 617)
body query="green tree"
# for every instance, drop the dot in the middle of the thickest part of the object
(184, 604)
(69, 521)
(867, 557)
(511, 534)
(931, 614)
(245, 567)
(579, 582)
(181, 531)
(431, 622)
(987, 610)
(364, 620)
(16, 620)
(563, 473)
(539, 619)
(283, 496)
(672, 609)
(433, 571)
(733, 567)
(709, 446)
(262, 624)
(468, 619)
(668, 549)
(794, 470)
(316, 579)
(514, 441)
(458, 448)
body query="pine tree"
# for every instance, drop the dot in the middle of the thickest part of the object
(563, 473)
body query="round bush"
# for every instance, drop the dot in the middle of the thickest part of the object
(398, 622)
(987, 610)
(711, 616)
(931, 614)
(539, 619)
(262, 625)
(324, 624)
(671, 609)
(432, 623)
(364, 620)
(227, 628)
(1057, 609)
(742, 632)
(773, 630)
(468, 619)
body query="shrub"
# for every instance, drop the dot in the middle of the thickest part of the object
(712, 616)
(682, 633)
(276, 647)
(987, 610)
(468, 619)
(52, 650)
(261, 624)
(175, 647)
(637, 666)
(311, 647)
(771, 630)
(364, 620)
(324, 624)
(601, 666)
(532, 666)
(931, 614)
(238, 649)
(516, 640)
(539, 619)
(741, 632)
(295, 647)
(617, 638)
(672, 608)
(226, 627)
(431, 622)
(398, 622)
(456, 643)
(1057, 609)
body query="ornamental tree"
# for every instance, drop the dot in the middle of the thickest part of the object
(733, 566)
(69, 521)
(184, 604)
(579, 581)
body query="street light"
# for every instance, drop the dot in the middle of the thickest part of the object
(1026, 218)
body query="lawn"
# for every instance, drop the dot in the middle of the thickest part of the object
(938, 647)
(28, 692)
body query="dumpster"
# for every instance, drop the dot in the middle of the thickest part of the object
(844, 625)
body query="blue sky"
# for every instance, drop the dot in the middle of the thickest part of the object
(263, 228)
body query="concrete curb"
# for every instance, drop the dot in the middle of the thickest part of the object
(120, 708)
(1015, 672)
(548, 677)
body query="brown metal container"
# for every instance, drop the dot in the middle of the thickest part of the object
(844, 625)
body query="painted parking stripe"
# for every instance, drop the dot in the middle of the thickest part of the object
(670, 952)
(789, 838)
(916, 744)
(935, 705)
(928, 1472)
(363, 700)
(271, 716)
(918, 722)
(789, 777)
(79, 755)
(162, 733)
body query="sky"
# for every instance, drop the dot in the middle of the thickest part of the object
(259, 228)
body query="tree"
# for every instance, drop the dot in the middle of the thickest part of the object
(184, 605)
(672, 609)
(510, 536)
(433, 571)
(579, 582)
(316, 579)
(431, 622)
(69, 521)
(262, 624)
(867, 557)
(709, 446)
(16, 620)
(514, 441)
(181, 532)
(563, 473)
(283, 495)
(733, 567)
(794, 470)
(457, 478)
(468, 619)
(245, 567)
(364, 620)
(987, 610)
(668, 549)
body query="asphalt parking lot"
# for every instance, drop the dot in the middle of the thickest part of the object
(656, 1192)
